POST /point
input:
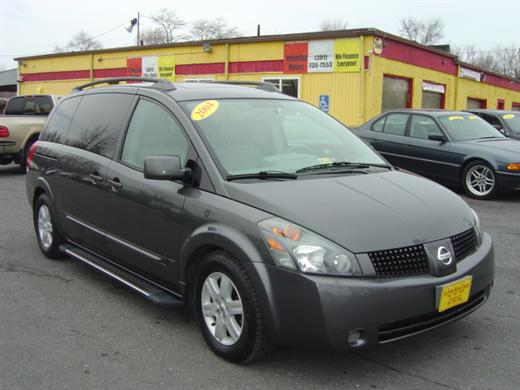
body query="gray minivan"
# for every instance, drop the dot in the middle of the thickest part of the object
(273, 221)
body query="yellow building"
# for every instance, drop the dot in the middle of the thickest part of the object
(352, 74)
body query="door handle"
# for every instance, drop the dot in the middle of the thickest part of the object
(95, 178)
(115, 184)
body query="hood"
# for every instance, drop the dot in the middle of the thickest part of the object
(362, 213)
(500, 146)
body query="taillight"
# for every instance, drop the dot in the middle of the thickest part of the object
(4, 132)
(30, 155)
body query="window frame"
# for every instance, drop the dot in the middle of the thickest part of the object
(443, 95)
(406, 126)
(280, 78)
(409, 100)
(515, 106)
(483, 102)
(501, 102)
(190, 155)
(409, 127)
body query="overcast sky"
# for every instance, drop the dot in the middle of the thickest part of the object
(36, 27)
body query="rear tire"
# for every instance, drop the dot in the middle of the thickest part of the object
(47, 234)
(479, 180)
(228, 310)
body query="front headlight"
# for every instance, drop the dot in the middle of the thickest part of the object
(300, 249)
(478, 228)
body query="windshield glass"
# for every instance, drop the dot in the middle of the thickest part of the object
(463, 127)
(253, 135)
(513, 121)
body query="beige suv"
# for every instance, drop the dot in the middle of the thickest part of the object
(20, 126)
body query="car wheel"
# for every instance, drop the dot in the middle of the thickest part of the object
(228, 310)
(479, 180)
(48, 237)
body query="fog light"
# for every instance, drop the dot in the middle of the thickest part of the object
(356, 338)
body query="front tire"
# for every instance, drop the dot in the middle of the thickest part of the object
(479, 180)
(228, 311)
(48, 237)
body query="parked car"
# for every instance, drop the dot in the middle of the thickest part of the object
(507, 122)
(267, 216)
(453, 147)
(21, 124)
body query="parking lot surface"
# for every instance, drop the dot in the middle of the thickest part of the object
(65, 326)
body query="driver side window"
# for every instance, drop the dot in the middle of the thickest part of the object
(153, 132)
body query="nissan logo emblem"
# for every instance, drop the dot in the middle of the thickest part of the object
(444, 255)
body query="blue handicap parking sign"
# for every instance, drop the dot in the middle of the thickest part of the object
(324, 103)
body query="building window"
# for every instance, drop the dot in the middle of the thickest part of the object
(476, 103)
(515, 107)
(501, 104)
(288, 86)
(397, 93)
(433, 95)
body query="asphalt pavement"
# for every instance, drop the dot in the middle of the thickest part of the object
(65, 326)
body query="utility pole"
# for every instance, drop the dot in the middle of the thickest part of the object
(138, 23)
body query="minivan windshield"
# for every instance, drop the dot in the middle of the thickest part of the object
(248, 136)
(462, 127)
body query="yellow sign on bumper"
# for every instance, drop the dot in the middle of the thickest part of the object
(455, 293)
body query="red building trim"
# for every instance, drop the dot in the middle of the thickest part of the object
(113, 72)
(50, 76)
(193, 69)
(501, 104)
(515, 104)
(401, 52)
(256, 66)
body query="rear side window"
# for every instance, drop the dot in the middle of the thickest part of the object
(58, 125)
(153, 132)
(396, 124)
(29, 105)
(98, 123)
(379, 124)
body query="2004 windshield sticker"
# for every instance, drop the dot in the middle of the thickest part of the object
(204, 110)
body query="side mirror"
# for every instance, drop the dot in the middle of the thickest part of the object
(436, 137)
(164, 168)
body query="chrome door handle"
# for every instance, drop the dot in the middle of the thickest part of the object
(115, 184)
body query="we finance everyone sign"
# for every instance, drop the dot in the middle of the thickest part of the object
(341, 55)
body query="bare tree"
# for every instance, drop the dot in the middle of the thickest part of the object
(170, 23)
(204, 29)
(153, 36)
(500, 59)
(81, 41)
(333, 24)
(427, 32)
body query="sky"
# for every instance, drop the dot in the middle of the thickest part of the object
(36, 27)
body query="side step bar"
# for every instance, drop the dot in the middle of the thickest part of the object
(149, 290)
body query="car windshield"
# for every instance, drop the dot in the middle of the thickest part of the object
(258, 135)
(462, 127)
(513, 121)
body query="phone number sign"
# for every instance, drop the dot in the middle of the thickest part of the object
(340, 55)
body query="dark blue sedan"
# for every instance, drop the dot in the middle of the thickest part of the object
(449, 146)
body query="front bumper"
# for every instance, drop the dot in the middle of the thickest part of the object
(508, 181)
(317, 312)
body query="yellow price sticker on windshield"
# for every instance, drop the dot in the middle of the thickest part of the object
(508, 116)
(325, 160)
(472, 117)
(204, 110)
(456, 118)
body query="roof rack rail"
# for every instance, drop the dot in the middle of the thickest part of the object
(162, 84)
(263, 85)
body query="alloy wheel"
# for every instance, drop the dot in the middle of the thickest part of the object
(222, 308)
(45, 226)
(480, 180)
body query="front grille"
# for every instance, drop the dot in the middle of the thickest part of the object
(400, 329)
(410, 260)
(464, 243)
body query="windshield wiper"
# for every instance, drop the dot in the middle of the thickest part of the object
(263, 175)
(490, 136)
(341, 164)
